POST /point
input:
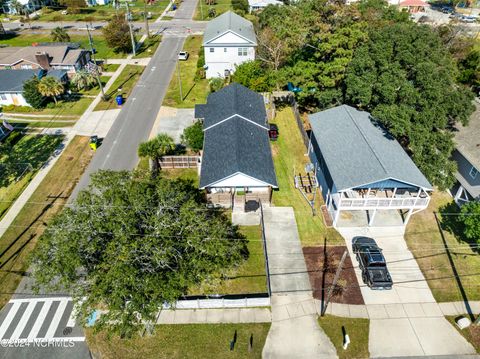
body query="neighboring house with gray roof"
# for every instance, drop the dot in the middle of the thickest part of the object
(467, 156)
(361, 167)
(11, 84)
(228, 41)
(237, 165)
(52, 57)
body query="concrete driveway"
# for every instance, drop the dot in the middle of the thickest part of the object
(295, 332)
(173, 121)
(404, 321)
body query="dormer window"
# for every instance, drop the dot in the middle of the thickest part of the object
(473, 172)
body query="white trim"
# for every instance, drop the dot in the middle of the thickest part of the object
(226, 32)
(234, 174)
(229, 118)
(386, 178)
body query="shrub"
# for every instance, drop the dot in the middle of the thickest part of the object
(216, 84)
(192, 136)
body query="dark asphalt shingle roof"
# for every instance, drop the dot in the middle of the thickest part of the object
(12, 80)
(359, 152)
(234, 99)
(235, 146)
(229, 21)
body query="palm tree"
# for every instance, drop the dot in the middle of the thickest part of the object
(50, 87)
(17, 6)
(83, 80)
(156, 148)
(59, 34)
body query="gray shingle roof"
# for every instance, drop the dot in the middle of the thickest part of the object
(235, 146)
(468, 138)
(229, 21)
(12, 80)
(357, 151)
(234, 99)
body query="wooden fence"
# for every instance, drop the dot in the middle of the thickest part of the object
(180, 161)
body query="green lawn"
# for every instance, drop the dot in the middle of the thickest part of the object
(105, 12)
(220, 7)
(20, 239)
(26, 156)
(356, 328)
(42, 124)
(184, 173)
(249, 277)
(149, 46)
(289, 154)
(193, 91)
(100, 45)
(110, 67)
(472, 333)
(94, 91)
(183, 341)
(425, 241)
(122, 85)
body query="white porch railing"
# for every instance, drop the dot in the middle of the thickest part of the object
(379, 203)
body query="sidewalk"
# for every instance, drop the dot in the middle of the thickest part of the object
(17, 206)
(130, 61)
(386, 311)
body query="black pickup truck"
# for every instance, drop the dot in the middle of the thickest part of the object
(372, 263)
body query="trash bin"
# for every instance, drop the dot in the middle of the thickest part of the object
(174, 7)
(119, 100)
(94, 142)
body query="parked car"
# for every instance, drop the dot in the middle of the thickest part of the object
(372, 263)
(183, 55)
(273, 132)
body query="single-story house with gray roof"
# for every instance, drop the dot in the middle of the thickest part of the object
(11, 84)
(236, 165)
(361, 167)
(467, 156)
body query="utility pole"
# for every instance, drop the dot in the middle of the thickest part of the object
(97, 75)
(332, 287)
(2, 30)
(146, 18)
(131, 31)
(179, 80)
(201, 9)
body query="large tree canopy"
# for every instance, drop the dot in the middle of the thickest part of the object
(406, 78)
(131, 243)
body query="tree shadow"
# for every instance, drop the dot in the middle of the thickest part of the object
(451, 222)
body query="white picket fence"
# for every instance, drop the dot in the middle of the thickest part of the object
(220, 303)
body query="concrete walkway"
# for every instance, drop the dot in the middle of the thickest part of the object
(404, 321)
(130, 61)
(295, 332)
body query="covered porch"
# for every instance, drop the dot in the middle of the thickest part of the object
(402, 199)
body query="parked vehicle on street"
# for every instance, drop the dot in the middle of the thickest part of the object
(372, 263)
(183, 55)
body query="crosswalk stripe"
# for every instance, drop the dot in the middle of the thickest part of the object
(40, 299)
(23, 320)
(56, 319)
(8, 319)
(40, 319)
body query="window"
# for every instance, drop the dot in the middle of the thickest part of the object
(224, 49)
(473, 172)
(212, 49)
(3, 97)
(242, 51)
(26, 67)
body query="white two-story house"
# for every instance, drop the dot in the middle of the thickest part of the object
(228, 41)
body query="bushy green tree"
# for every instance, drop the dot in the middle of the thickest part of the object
(129, 244)
(406, 78)
(117, 34)
(253, 75)
(470, 217)
(192, 136)
(31, 94)
(470, 69)
(240, 5)
(216, 84)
